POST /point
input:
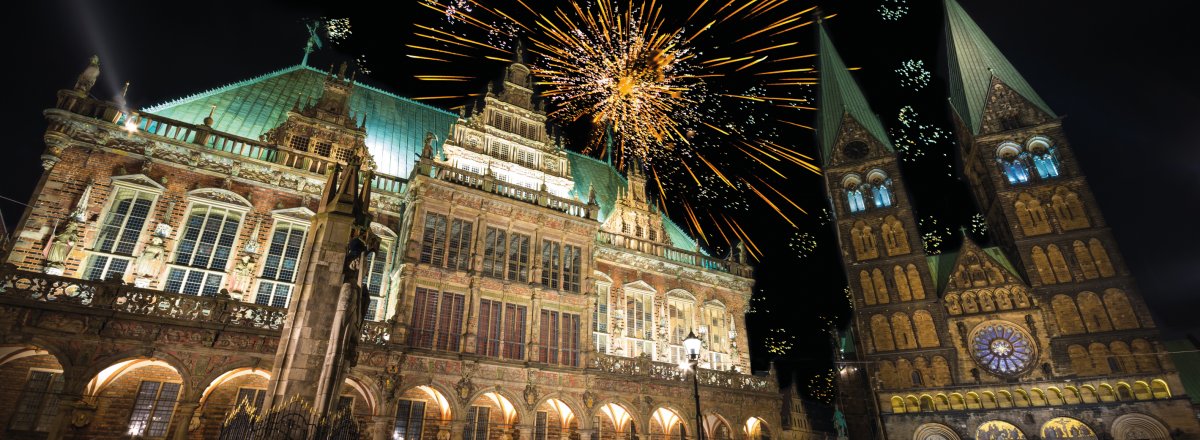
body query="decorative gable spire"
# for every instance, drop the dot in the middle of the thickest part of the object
(839, 97)
(974, 62)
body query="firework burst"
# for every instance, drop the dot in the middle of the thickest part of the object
(703, 94)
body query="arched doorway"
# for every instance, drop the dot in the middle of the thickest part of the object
(421, 412)
(667, 424)
(34, 399)
(716, 428)
(934, 431)
(757, 429)
(615, 422)
(136, 397)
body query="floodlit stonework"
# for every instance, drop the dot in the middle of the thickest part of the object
(1044, 335)
(519, 291)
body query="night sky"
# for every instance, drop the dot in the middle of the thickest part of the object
(1123, 77)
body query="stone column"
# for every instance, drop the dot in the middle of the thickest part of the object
(456, 428)
(381, 428)
(182, 419)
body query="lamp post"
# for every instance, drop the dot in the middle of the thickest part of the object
(692, 345)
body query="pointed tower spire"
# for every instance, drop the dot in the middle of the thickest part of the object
(840, 96)
(974, 61)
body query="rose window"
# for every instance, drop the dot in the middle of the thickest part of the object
(1002, 349)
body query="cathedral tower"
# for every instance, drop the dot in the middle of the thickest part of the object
(897, 316)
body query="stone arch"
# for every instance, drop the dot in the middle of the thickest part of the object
(881, 290)
(969, 303)
(941, 402)
(1093, 313)
(757, 429)
(897, 404)
(1087, 394)
(987, 400)
(1160, 389)
(511, 408)
(914, 282)
(1004, 399)
(900, 278)
(37, 381)
(225, 392)
(887, 375)
(911, 404)
(1135, 426)
(613, 418)
(437, 397)
(1100, 256)
(110, 368)
(927, 404)
(935, 431)
(868, 287)
(1069, 209)
(717, 427)
(1031, 215)
(164, 382)
(1084, 257)
(229, 376)
(561, 418)
(862, 238)
(1106, 393)
(14, 352)
(881, 333)
(904, 373)
(895, 238)
(973, 401)
(1143, 355)
(1141, 390)
(1020, 398)
(987, 302)
(1003, 299)
(1059, 263)
(367, 391)
(953, 306)
(1054, 396)
(1099, 354)
(902, 330)
(957, 402)
(1042, 263)
(1122, 357)
(1065, 427)
(1119, 309)
(1037, 397)
(1020, 298)
(926, 332)
(1071, 395)
(1124, 392)
(1081, 363)
(1066, 315)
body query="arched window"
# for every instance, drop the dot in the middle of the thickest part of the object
(1045, 158)
(868, 287)
(862, 237)
(1119, 309)
(1031, 215)
(1122, 357)
(917, 380)
(1144, 356)
(1103, 264)
(1099, 355)
(881, 191)
(895, 238)
(1013, 161)
(903, 330)
(1069, 209)
(914, 282)
(1084, 257)
(881, 333)
(952, 304)
(854, 195)
(881, 290)
(1066, 315)
(1093, 312)
(901, 280)
(1042, 262)
(1061, 271)
(1080, 362)
(926, 333)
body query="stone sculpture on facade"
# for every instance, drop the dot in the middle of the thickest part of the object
(87, 78)
(243, 275)
(150, 262)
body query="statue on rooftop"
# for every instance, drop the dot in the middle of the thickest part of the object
(87, 78)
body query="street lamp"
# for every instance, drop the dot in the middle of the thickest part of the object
(692, 345)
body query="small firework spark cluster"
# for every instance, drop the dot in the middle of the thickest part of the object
(892, 10)
(821, 387)
(338, 29)
(849, 296)
(779, 342)
(911, 137)
(979, 224)
(703, 95)
(935, 238)
(914, 75)
(802, 244)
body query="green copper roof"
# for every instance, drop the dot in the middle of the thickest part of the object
(840, 95)
(608, 184)
(974, 60)
(1187, 363)
(396, 126)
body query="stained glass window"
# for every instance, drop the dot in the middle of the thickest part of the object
(1002, 349)
(855, 198)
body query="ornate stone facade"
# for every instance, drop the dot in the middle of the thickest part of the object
(1042, 336)
(497, 308)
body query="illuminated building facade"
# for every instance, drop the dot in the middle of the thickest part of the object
(520, 291)
(1042, 336)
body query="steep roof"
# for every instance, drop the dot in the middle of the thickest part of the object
(941, 266)
(396, 126)
(840, 95)
(974, 60)
(608, 184)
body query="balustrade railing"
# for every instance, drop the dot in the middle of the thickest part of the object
(118, 297)
(644, 367)
(376, 333)
(492, 185)
(672, 254)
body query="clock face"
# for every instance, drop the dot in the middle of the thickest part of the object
(1002, 349)
(855, 150)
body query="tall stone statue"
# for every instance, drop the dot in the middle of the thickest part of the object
(87, 78)
(243, 275)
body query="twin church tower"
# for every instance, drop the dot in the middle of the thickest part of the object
(1044, 335)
